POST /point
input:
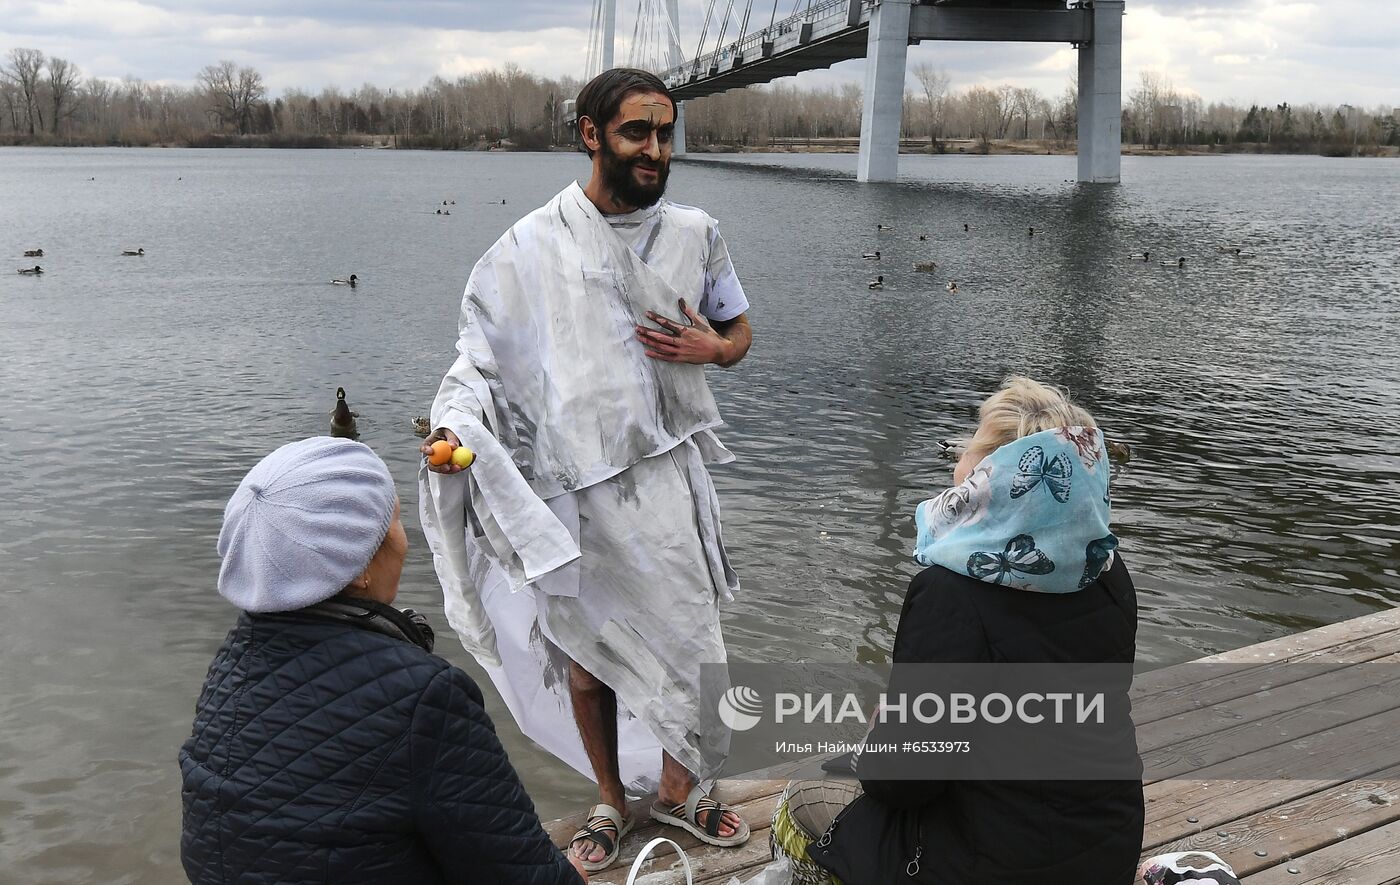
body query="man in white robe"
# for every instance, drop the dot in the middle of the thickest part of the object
(581, 554)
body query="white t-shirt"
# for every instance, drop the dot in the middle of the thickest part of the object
(723, 298)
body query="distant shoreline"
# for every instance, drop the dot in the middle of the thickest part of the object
(834, 145)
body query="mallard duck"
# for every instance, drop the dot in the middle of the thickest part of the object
(952, 287)
(967, 228)
(1228, 249)
(1141, 256)
(422, 426)
(877, 283)
(952, 449)
(34, 253)
(135, 253)
(883, 228)
(342, 281)
(870, 256)
(1118, 451)
(926, 266)
(31, 271)
(342, 419)
(923, 237)
(1241, 253)
(1180, 262)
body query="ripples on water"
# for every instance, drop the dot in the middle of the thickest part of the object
(1258, 397)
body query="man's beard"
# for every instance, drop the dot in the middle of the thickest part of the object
(623, 185)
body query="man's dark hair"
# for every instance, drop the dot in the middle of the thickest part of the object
(600, 99)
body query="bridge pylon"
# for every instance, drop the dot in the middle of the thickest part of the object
(886, 54)
(673, 13)
(1101, 95)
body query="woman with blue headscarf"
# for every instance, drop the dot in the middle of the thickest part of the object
(1021, 568)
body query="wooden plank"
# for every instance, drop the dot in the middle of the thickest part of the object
(1371, 858)
(1281, 649)
(1186, 757)
(1239, 680)
(1213, 799)
(1264, 702)
(1261, 724)
(744, 863)
(1300, 827)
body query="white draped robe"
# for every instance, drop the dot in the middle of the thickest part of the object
(588, 527)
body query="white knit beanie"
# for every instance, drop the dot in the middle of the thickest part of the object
(303, 524)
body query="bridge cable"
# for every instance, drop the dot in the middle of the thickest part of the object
(700, 47)
(653, 38)
(774, 17)
(673, 49)
(724, 27)
(632, 50)
(744, 26)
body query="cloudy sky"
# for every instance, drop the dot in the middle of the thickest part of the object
(1245, 50)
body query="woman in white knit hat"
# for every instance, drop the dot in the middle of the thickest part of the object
(329, 743)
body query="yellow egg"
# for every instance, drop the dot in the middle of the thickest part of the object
(463, 456)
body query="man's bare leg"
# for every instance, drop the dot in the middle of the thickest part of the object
(676, 782)
(595, 714)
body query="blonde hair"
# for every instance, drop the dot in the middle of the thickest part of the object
(1020, 408)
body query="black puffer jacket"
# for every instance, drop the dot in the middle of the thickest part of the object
(327, 752)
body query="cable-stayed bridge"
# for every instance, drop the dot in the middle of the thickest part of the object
(739, 46)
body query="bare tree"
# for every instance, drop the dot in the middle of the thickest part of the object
(1024, 102)
(1064, 117)
(935, 83)
(9, 96)
(984, 113)
(1006, 108)
(23, 73)
(63, 88)
(232, 91)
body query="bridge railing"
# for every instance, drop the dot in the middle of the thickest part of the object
(701, 65)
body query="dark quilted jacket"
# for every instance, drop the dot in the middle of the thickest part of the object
(326, 752)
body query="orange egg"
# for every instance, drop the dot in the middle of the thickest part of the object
(440, 453)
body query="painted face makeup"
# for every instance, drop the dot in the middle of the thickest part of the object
(636, 154)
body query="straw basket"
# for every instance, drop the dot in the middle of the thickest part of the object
(803, 814)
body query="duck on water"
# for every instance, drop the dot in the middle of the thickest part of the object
(342, 419)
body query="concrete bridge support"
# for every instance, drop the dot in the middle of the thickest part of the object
(678, 140)
(673, 41)
(887, 51)
(1101, 95)
(609, 33)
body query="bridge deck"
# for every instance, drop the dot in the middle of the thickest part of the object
(832, 31)
(1278, 830)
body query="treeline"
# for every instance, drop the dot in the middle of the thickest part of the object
(1155, 115)
(46, 100)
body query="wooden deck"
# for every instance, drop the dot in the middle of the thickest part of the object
(1273, 828)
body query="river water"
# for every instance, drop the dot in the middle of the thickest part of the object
(1258, 396)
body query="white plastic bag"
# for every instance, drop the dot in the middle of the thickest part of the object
(647, 850)
(779, 872)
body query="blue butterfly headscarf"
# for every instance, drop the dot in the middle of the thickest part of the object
(1032, 515)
